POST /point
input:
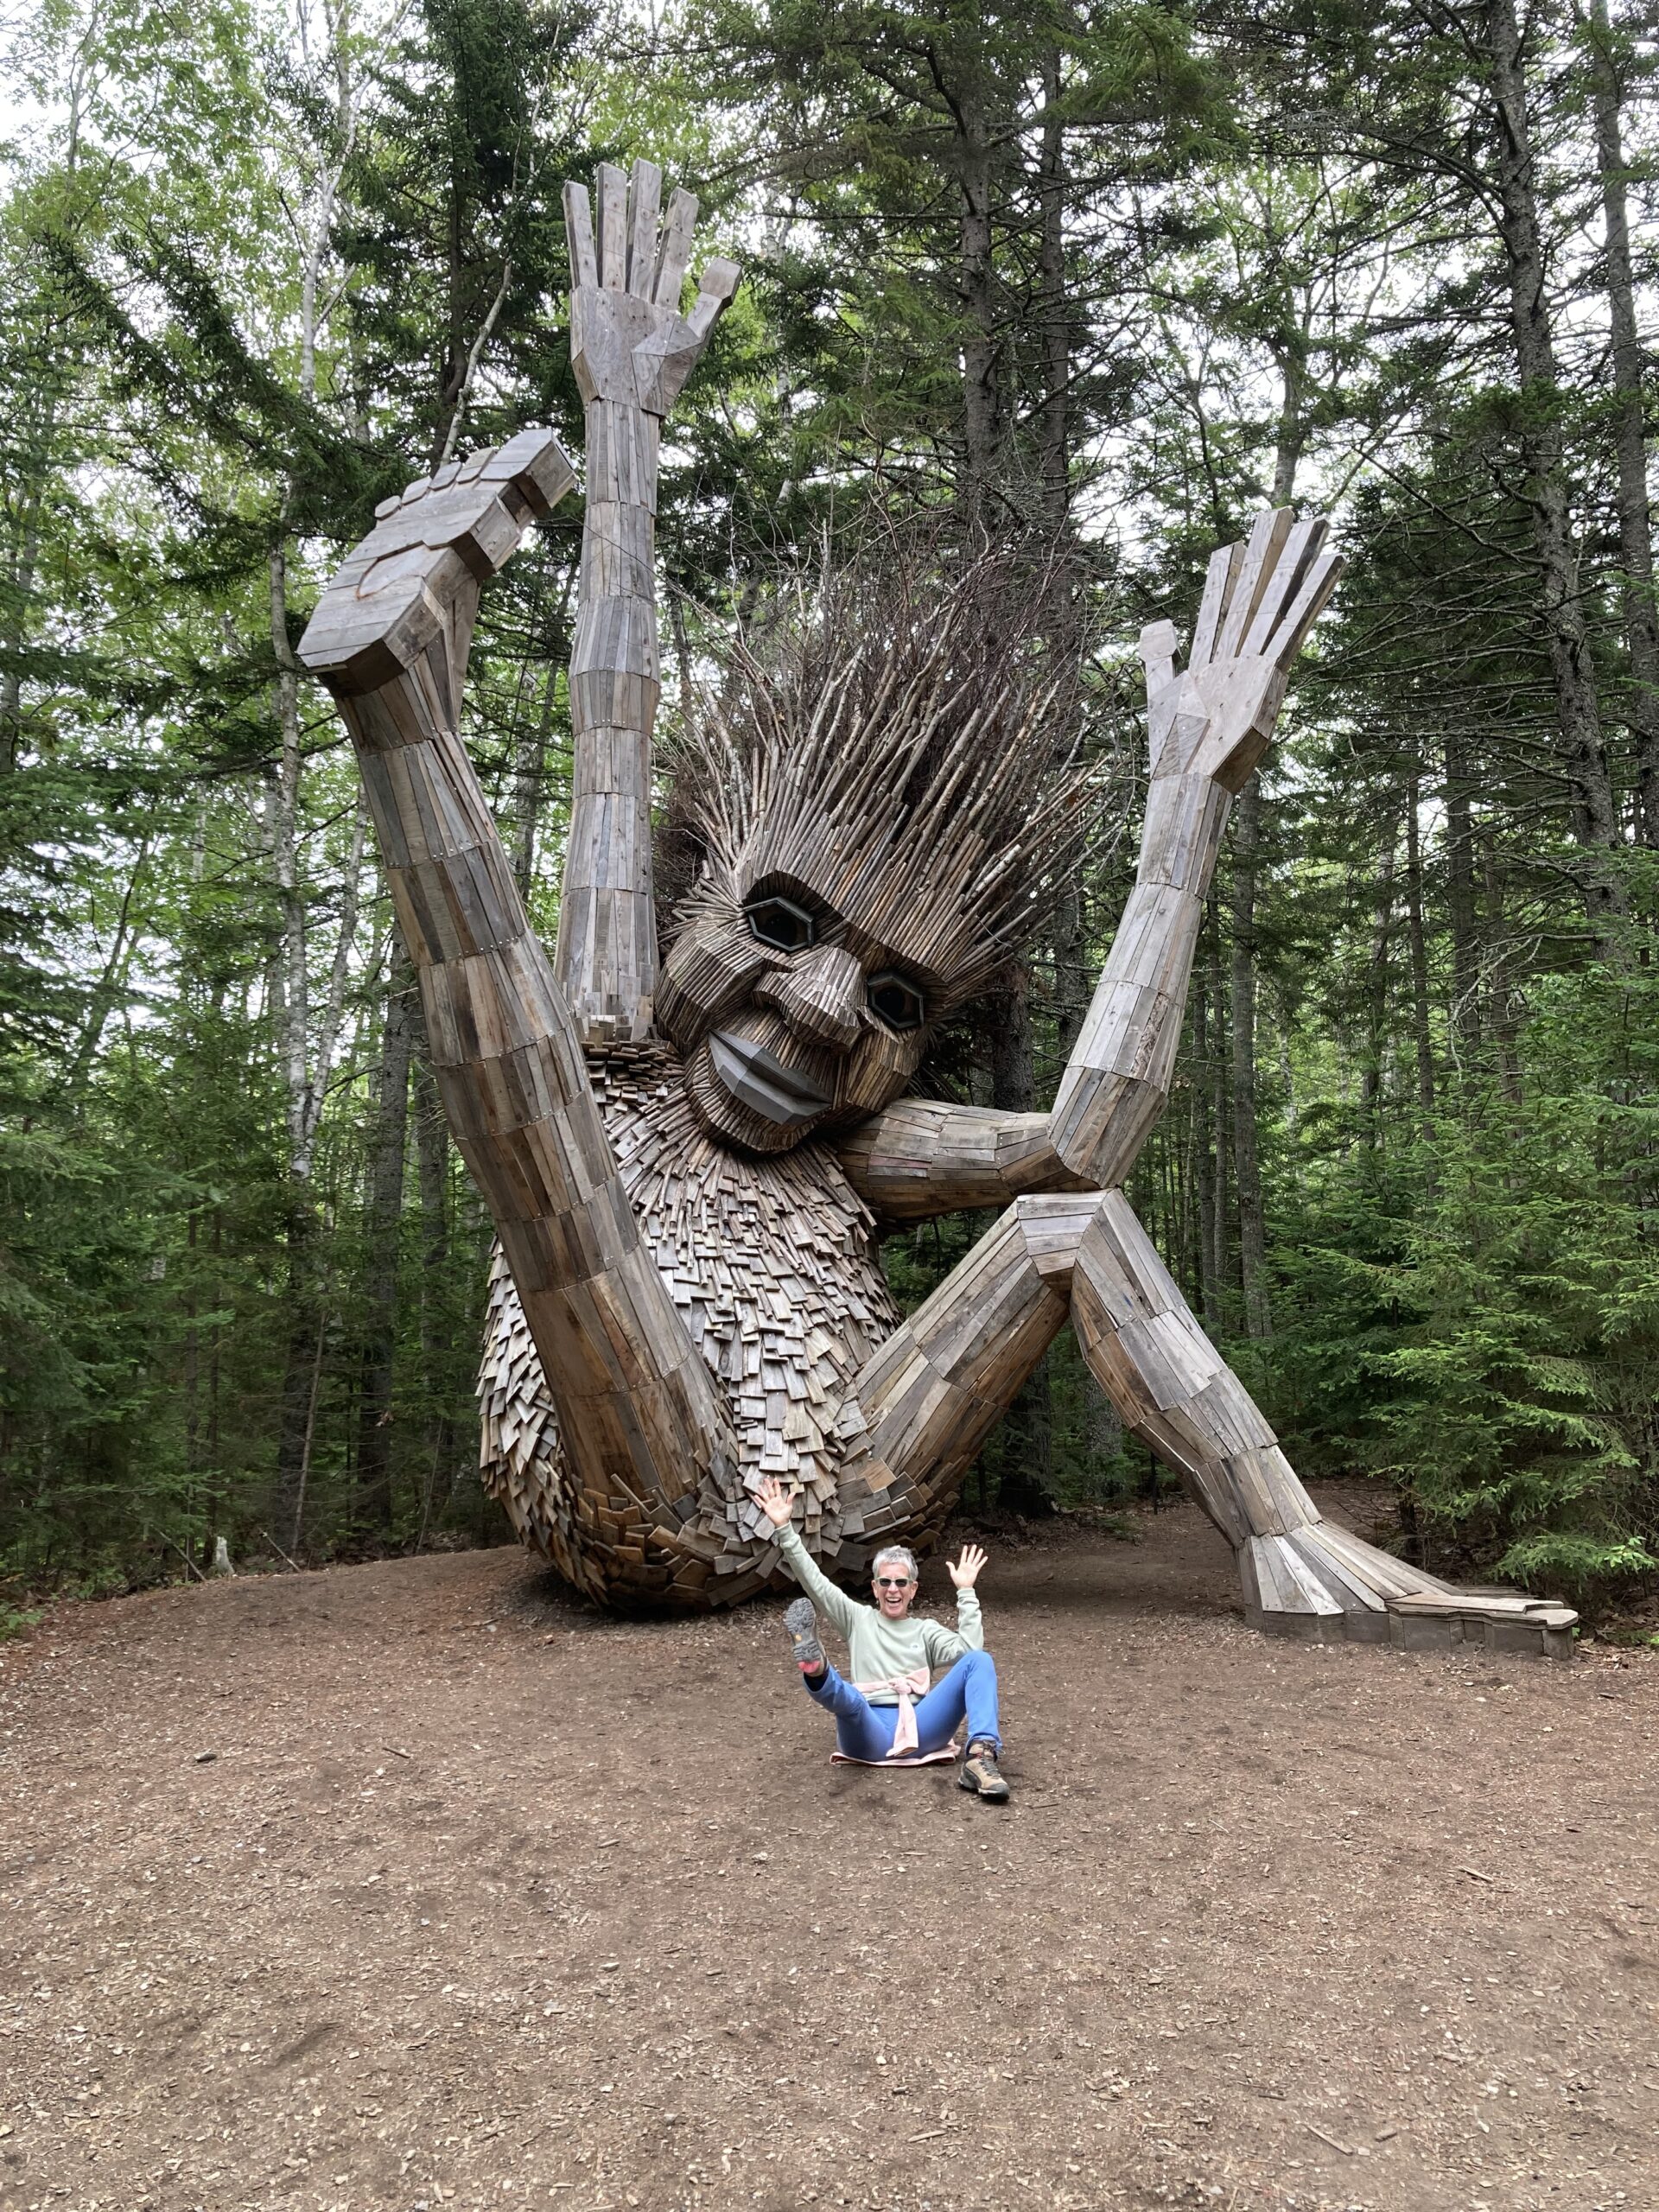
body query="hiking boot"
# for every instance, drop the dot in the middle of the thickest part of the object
(981, 1773)
(804, 1646)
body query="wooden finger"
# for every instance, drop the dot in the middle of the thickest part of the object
(1281, 588)
(675, 256)
(715, 289)
(1304, 609)
(579, 235)
(1157, 651)
(1224, 563)
(646, 199)
(1261, 551)
(613, 227)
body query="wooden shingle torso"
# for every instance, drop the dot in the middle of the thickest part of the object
(773, 1265)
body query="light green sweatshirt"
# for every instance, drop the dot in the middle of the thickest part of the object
(879, 1649)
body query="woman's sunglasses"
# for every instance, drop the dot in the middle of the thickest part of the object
(892, 1581)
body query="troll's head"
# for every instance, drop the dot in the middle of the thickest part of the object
(883, 808)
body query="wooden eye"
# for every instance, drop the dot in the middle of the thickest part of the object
(895, 1001)
(781, 923)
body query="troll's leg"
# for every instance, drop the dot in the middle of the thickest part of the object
(1302, 1576)
(923, 1405)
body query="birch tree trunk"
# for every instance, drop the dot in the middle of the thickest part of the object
(306, 1060)
(23, 560)
(530, 749)
(437, 1347)
(1025, 1437)
(1290, 351)
(1054, 441)
(291, 991)
(35, 445)
(1503, 1022)
(1206, 1139)
(1071, 981)
(1371, 1090)
(1221, 1122)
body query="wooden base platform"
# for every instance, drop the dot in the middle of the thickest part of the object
(1527, 1628)
(1320, 1582)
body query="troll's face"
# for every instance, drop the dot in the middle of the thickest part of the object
(792, 1015)
(879, 827)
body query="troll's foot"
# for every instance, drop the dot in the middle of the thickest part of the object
(1325, 1585)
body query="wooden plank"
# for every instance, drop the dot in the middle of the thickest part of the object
(613, 227)
(645, 196)
(579, 232)
(675, 256)
(1290, 570)
(1212, 607)
(1268, 533)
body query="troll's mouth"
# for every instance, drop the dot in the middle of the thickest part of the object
(759, 1080)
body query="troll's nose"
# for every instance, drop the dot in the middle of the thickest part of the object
(820, 995)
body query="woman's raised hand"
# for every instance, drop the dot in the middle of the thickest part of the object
(964, 1572)
(774, 1501)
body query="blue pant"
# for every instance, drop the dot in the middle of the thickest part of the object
(864, 1730)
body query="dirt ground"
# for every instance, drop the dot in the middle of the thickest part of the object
(419, 1886)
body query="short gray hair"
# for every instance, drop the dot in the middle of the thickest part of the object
(895, 1551)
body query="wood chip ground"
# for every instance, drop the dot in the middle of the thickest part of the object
(484, 1900)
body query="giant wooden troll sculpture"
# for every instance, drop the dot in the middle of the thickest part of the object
(687, 1161)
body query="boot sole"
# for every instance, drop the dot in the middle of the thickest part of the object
(801, 1619)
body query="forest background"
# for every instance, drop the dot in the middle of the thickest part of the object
(1110, 278)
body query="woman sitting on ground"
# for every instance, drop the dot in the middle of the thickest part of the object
(888, 1711)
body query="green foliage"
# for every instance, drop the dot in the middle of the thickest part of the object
(1528, 1361)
